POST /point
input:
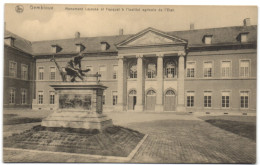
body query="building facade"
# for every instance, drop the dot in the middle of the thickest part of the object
(192, 70)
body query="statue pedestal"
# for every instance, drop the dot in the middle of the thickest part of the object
(79, 105)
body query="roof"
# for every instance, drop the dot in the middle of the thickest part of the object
(220, 36)
(20, 43)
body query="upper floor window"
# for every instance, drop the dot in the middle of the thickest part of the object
(207, 69)
(151, 70)
(244, 99)
(226, 68)
(12, 96)
(12, 69)
(170, 70)
(244, 37)
(40, 73)
(52, 73)
(102, 72)
(23, 96)
(115, 67)
(244, 68)
(24, 72)
(133, 71)
(225, 100)
(190, 69)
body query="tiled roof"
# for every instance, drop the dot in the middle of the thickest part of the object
(20, 43)
(225, 35)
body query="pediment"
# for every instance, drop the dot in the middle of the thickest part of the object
(150, 37)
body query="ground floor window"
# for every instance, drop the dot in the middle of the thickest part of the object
(23, 96)
(190, 99)
(52, 97)
(114, 98)
(40, 97)
(207, 98)
(244, 99)
(225, 99)
(12, 96)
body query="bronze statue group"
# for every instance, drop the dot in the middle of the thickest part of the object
(73, 69)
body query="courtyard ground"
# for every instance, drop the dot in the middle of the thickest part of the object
(173, 138)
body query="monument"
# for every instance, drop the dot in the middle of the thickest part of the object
(80, 103)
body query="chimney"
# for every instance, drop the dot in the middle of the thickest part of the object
(246, 22)
(77, 35)
(121, 32)
(192, 27)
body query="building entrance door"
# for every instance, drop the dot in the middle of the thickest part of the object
(150, 100)
(169, 103)
(132, 100)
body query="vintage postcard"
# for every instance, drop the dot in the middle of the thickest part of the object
(129, 83)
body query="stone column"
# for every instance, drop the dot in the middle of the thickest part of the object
(180, 106)
(159, 91)
(140, 84)
(120, 85)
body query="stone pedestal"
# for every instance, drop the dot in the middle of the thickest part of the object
(80, 105)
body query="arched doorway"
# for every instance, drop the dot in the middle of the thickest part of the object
(132, 100)
(150, 100)
(169, 103)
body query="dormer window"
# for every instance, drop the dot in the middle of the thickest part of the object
(79, 47)
(55, 48)
(207, 39)
(9, 41)
(104, 46)
(243, 37)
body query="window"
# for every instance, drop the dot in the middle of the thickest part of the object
(208, 40)
(207, 69)
(190, 99)
(114, 98)
(24, 72)
(115, 67)
(102, 72)
(225, 100)
(244, 68)
(12, 96)
(207, 98)
(104, 99)
(52, 73)
(52, 97)
(41, 71)
(226, 68)
(244, 37)
(133, 71)
(23, 96)
(151, 93)
(170, 70)
(244, 99)
(40, 97)
(12, 69)
(151, 70)
(190, 69)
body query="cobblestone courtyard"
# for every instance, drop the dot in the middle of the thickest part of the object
(172, 139)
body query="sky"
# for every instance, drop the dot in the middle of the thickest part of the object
(59, 22)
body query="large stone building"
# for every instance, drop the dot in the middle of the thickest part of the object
(191, 70)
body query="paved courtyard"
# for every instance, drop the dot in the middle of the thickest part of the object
(172, 138)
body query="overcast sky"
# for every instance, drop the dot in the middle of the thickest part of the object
(38, 24)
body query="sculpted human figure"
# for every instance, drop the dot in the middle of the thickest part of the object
(73, 69)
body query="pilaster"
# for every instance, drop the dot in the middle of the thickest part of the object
(159, 91)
